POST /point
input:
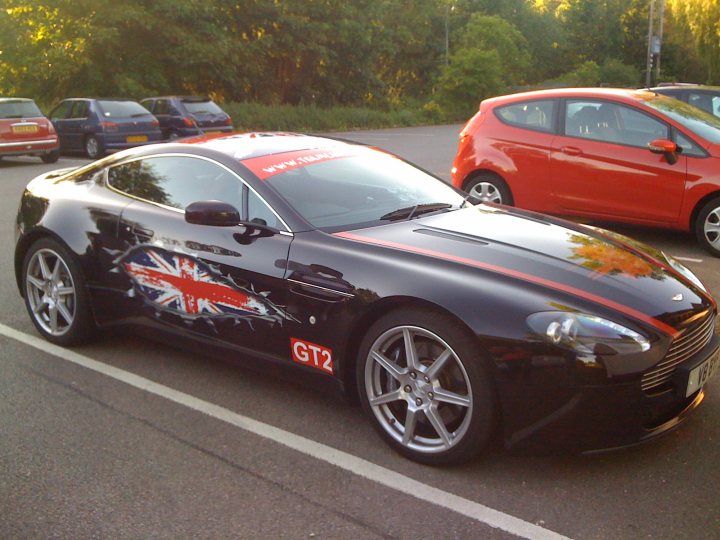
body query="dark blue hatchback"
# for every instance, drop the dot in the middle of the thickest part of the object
(94, 126)
(184, 116)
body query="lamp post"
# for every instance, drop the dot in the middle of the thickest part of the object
(654, 42)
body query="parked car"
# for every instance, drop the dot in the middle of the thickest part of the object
(24, 131)
(184, 116)
(706, 98)
(605, 154)
(446, 319)
(94, 126)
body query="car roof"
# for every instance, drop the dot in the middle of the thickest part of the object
(182, 98)
(14, 99)
(625, 94)
(683, 87)
(248, 145)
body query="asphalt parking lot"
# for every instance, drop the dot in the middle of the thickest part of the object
(128, 438)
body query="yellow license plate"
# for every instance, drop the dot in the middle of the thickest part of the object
(31, 128)
(137, 138)
(212, 132)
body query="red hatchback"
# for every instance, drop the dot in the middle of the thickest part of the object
(24, 131)
(614, 155)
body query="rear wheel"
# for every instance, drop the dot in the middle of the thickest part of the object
(707, 226)
(489, 187)
(54, 291)
(51, 157)
(424, 387)
(93, 147)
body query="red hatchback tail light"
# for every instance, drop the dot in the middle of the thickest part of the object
(228, 121)
(188, 121)
(109, 126)
(155, 123)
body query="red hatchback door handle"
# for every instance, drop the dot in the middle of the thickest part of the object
(571, 150)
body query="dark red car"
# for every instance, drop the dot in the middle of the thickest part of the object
(24, 131)
(614, 155)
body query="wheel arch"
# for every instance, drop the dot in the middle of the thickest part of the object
(374, 313)
(482, 170)
(698, 207)
(28, 240)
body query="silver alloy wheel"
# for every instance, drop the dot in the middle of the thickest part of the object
(711, 228)
(487, 192)
(418, 389)
(92, 147)
(50, 292)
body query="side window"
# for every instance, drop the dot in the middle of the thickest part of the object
(688, 147)
(162, 106)
(259, 212)
(80, 110)
(176, 181)
(534, 115)
(148, 104)
(706, 102)
(61, 111)
(612, 123)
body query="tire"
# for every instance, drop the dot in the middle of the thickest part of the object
(489, 187)
(93, 147)
(54, 291)
(446, 388)
(51, 157)
(707, 226)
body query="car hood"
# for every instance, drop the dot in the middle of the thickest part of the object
(539, 251)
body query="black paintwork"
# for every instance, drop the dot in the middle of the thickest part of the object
(488, 267)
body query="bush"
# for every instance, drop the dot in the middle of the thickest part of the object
(615, 73)
(310, 118)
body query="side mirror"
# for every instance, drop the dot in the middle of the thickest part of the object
(212, 213)
(666, 147)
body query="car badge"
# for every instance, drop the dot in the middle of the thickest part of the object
(678, 297)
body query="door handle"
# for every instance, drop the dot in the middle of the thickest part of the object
(571, 150)
(143, 234)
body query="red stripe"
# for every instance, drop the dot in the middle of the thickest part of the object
(519, 275)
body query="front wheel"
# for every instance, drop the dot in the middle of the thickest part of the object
(54, 291)
(489, 187)
(422, 383)
(707, 226)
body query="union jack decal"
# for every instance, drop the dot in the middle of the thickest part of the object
(184, 285)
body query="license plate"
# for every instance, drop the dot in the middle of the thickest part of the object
(700, 375)
(28, 128)
(212, 132)
(137, 138)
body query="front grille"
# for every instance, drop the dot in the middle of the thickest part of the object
(692, 339)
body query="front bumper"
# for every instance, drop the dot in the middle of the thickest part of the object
(609, 416)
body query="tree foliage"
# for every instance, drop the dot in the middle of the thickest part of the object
(376, 53)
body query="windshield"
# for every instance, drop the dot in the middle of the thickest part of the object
(346, 189)
(696, 120)
(202, 107)
(122, 109)
(19, 109)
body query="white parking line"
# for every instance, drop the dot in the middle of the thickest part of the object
(343, 460)
(687, 259)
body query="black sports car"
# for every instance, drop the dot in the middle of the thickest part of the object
(449, 320)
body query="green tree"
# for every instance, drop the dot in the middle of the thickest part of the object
(702, 17)
(490, 55)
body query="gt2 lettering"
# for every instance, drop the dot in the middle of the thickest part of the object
(311, 354)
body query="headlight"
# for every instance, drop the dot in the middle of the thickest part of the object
(587, 335)
(681, 269)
